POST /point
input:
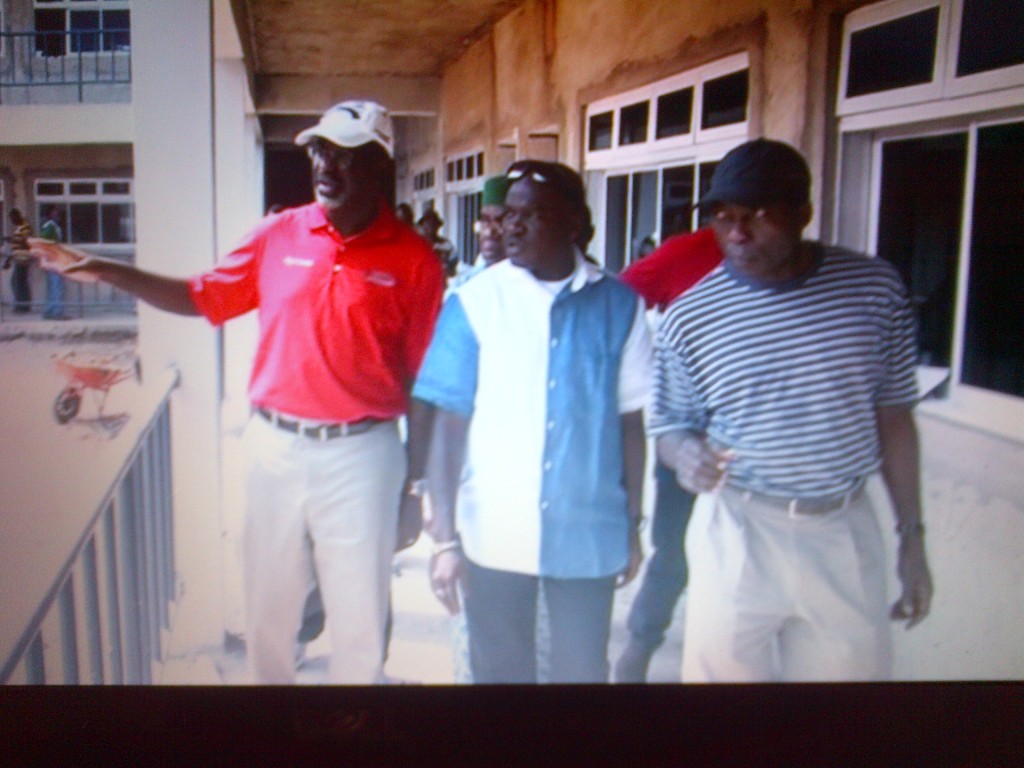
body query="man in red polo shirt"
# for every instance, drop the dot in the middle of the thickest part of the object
(347, 298)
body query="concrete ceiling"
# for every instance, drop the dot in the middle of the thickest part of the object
(304, 55)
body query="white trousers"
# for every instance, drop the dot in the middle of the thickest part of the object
(779, 598)
(326, 511)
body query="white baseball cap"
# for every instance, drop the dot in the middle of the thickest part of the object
(352, 124)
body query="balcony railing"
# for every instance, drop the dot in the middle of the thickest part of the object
(105, 615)
(77, 60)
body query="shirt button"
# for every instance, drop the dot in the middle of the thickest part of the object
(547, 466)
(543, 505)
(337, 267)
(554, 342)
(551, 425)
(551, 384)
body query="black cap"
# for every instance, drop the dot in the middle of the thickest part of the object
(759, 173)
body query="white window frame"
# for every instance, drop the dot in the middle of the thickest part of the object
(856, 224)
(945, 85)
(66, 198)
(651, 148)
(98, 6)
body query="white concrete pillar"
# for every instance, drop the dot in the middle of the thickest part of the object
(172, 100)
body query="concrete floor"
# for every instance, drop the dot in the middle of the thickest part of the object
(976, 630)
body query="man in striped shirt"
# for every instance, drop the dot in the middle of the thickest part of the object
(782, 381)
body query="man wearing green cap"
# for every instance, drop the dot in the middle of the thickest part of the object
(488, 229)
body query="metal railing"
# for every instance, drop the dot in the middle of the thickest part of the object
(76, 58)
(104, 618)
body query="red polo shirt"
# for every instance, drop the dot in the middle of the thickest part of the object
(675, 267)
(344, 322)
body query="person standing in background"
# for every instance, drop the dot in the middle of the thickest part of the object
(51, 230)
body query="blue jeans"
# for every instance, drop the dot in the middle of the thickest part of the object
(666, 574)
(54, 296)
(501, 614)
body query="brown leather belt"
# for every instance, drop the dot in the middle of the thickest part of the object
(798, 507)
(321, 431)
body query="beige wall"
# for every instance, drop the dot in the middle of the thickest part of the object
(543, 63)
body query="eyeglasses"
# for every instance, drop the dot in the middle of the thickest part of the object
(749, 219)
(332, 153)
(514, 174)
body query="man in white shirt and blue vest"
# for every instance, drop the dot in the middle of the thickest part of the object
(782, 381)
(539, 368)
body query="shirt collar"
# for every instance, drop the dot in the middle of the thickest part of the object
(584, 272)
(382, 228)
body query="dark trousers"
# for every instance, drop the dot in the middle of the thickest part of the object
(501, 616)
(20, 288)
(666, 574)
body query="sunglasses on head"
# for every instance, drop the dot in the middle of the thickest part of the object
(513, 174)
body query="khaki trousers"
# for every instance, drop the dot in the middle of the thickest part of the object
(326, 511)
(780, 597)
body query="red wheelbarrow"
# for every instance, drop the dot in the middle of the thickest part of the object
(91, 375)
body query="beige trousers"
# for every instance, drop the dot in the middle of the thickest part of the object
(325, 510)
(775, 597)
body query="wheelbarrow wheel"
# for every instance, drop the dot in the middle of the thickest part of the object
(66, 406)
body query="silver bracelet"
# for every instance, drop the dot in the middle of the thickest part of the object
(446, 546)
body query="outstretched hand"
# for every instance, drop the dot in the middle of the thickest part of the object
(69, 262)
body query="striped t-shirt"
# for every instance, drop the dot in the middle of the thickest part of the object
(789, 377)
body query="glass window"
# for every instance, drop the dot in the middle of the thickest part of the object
(896, 54)
(85, 27)
(644, 210)
(50, 188)
(991, 36)
(633, 123)
(919, 209)
(84, 224)
(704, 173)
(50, 27)
(675, 113)
(993, 353)
(615, 223)
(117, 223)
(600, 131)
(116, 34)
(725, 100)
(82, 188)
(116, 188)
(677, 200)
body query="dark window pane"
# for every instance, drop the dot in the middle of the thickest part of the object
(84, 223)
(460, 169)
(44, 215)
(480, 163)
(116, 187)
(451, 171)
(896, 54)
(644, 210)
(633, 123)
(919, 214)
(116, 221)
(84, 34)
(615, 223)
(675, 113)
(82, 188)
(993, 353)
(50, 188)
(50, 26)
(600, 131)
(116, 25)
(725, 100)
(676, 201)
(991, 36)
(705, 171)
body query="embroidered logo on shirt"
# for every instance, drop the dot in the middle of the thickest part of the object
(381, 278)
(295, 261)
